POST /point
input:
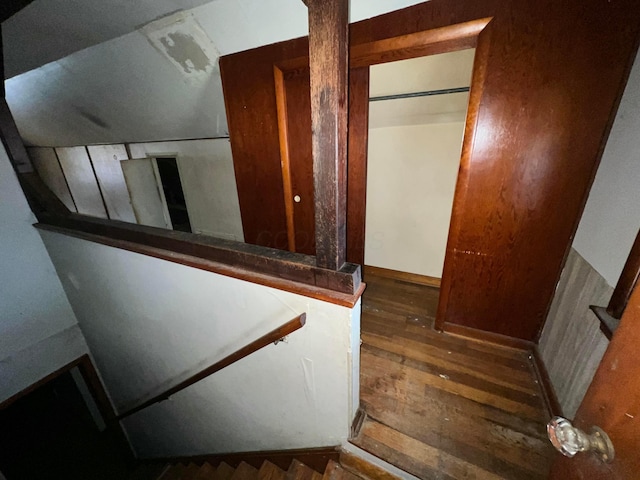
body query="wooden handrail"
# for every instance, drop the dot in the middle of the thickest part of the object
(271, 337)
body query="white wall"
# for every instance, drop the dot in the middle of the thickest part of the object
(150, 323)
(411, 177)
(208, 181)
(38, 329)
(610, 221)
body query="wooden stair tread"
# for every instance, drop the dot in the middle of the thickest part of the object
(362, 468)
(223, 472)
(206, 472)
(335, 471)
(269, 471)
(190, 472)
(145, 471)
(299, 471)
(173, 473)
(244, 471)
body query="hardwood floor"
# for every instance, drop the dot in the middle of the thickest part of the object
(440, 406)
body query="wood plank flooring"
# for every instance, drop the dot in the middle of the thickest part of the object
(440, 406)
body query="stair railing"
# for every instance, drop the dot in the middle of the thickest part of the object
(272, 337)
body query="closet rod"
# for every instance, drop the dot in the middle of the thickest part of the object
(428, 93)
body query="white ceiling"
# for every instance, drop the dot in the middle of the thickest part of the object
(48, 30)
(91, 74)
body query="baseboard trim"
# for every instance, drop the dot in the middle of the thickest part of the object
(489, 337)
(550, 397)
(315, 458)
(404, 276)
(358, 420)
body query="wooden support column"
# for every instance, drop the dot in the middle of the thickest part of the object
(329, 65)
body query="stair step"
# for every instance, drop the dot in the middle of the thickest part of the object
(190, 472)
(206, 472)
(363, 468)
(224, 472)
(299, 471)
(145, 471)
(244, 471)
(269, 471)
(335, 471)
(174, 473)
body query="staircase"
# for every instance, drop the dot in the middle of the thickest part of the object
(268, 471)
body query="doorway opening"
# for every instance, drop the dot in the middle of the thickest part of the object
(173, 193)
(433, 404)
(417, 111)
(56, 431)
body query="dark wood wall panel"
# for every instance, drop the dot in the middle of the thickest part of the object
(549, 87)
(249, 91)
(547, 80)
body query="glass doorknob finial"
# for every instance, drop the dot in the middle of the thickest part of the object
(570, 440)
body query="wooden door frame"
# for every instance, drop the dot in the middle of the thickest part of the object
(422, 43)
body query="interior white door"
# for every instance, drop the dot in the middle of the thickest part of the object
(146, 195)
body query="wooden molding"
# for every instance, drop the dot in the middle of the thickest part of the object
(608, 323)
(222, 268)
(283, 131)
(402, 276)
(418, 44)
(281, 264)
(316, 458)
(271, 337)
(358, 420)
(490, 337)
(550, 397)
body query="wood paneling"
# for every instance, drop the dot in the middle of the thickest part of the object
(249, 92)
(572, 344)
(292, 90)
(82, 182)
(545, 88)
(46, 164)
(106, 164)
(298, 179)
